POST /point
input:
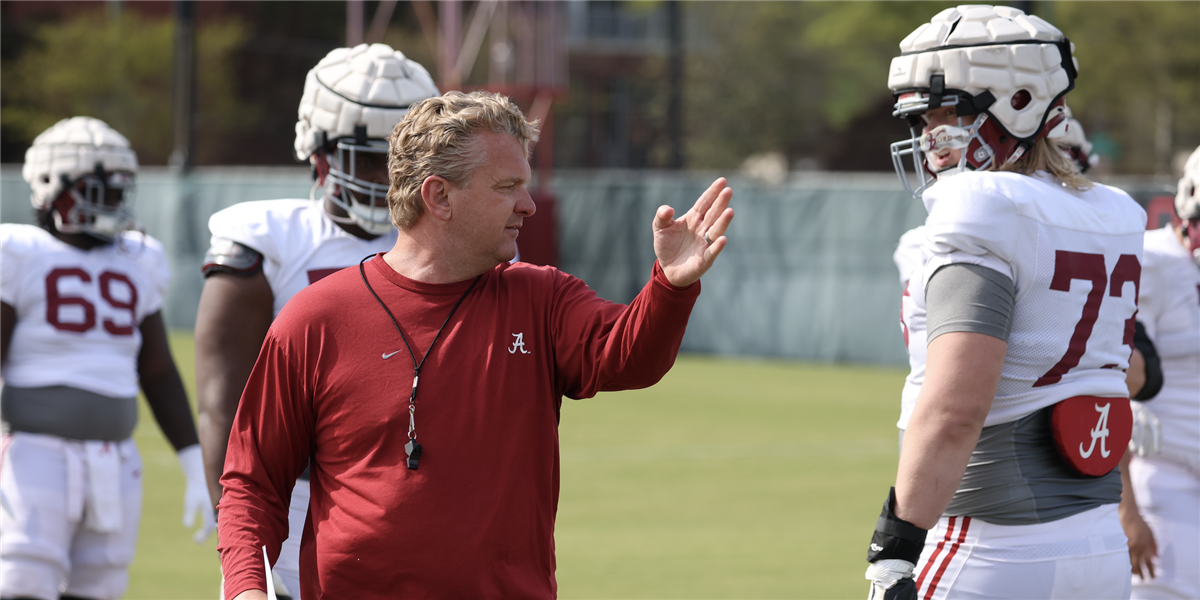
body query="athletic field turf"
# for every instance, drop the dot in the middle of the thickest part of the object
(729, 479)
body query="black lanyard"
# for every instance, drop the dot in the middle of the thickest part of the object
(412, 448)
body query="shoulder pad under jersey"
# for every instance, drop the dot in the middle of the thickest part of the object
(228, 256)
(149, 253)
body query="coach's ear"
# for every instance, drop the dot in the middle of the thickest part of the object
(435, 194)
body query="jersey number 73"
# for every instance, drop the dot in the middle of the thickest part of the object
(1090, 267)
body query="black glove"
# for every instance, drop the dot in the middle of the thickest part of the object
(895, 548)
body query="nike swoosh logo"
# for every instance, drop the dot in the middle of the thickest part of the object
(387, 356)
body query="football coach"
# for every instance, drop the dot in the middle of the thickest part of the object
(424, 384)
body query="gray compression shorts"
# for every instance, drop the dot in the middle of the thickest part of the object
(68, 412)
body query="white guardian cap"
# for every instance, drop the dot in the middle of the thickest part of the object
(352, 100)
(1071, 139)
(1187, 199)
(1187, 203)
(83, 172)
(1009, 68)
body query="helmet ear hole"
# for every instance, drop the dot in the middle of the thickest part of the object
(1021, 99)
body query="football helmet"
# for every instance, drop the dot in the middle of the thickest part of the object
(1187, 203)
(94, 166)
(1005, 67)
(352, 100)
(1073, 142)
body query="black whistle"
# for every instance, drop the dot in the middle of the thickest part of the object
(413, 450)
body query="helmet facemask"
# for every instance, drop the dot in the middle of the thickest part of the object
(356, 165)
(964, 137)
(96, 204)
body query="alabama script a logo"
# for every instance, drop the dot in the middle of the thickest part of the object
(518, 344)
(1100, 431)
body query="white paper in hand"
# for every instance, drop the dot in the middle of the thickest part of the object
(270, 579)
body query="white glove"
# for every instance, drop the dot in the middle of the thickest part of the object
(891, 579)
(1147, 431)
(195, 495)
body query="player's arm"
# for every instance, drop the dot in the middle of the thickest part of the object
(8, 320)
(970, 310)
(162, 385)
(168, 402)
(1142, 547)
(961, 375)
(234, 314)
(962, 371)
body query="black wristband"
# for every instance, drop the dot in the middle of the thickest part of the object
(895, 537)
(1153, 365)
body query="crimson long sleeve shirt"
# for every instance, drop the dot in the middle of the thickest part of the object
(476, 520)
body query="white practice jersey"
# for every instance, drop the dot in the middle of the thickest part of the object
(79, 311)
(908, 259)
(1075, 261)
(300, 244)
(1170, 311)
(908, 253)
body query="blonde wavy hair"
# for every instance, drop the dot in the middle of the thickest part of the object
(436, 137)
(1045, 156)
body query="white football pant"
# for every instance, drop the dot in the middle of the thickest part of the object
(1168, 497)
(288, 565)
(1084, 556)
(47, 500)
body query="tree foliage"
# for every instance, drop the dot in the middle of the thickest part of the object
(118, 68)
(1139, 84)
(803, 77)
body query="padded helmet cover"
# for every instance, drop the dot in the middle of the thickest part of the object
(996, 49)
(368, 85)
(72, 148)
(1187, 199)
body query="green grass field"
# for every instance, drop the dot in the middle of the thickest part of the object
(729, 479)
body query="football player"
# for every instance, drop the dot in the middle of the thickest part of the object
(1025, 292)
(1167, 484)
(1074, 143)
(81, 299)
(264, 252)
(1145, 378)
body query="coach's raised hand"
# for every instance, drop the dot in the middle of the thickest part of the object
(686, 247)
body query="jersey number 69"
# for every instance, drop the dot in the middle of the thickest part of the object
(55, 301)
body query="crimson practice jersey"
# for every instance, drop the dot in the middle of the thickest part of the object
(1170, 311)
(79, 307)
(1075, 260)
(300, 244)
